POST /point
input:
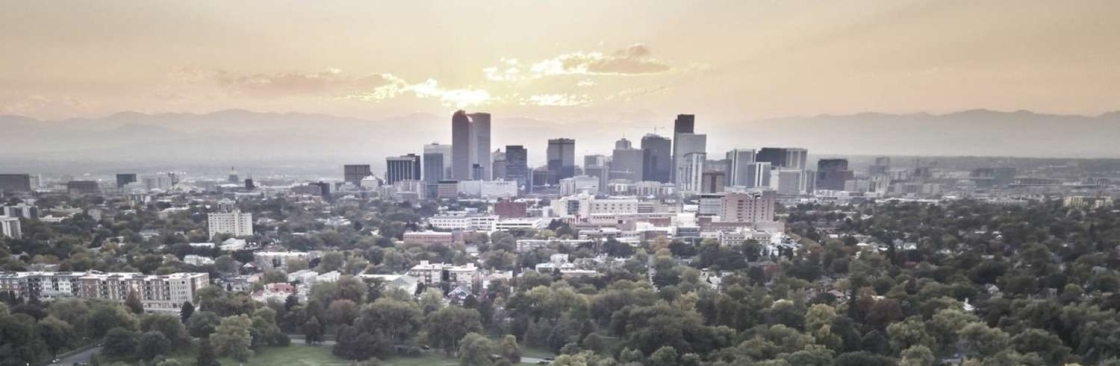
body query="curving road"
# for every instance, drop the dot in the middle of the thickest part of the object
(80, 357)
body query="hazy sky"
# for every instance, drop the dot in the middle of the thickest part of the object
(561, 60)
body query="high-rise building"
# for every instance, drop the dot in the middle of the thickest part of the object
(601, 173)
(23, 210)
(626, 162)
(9, 227)
(712, 181)
(684, 124)
(125, 178)
(561, 159)
(404, 167)
(470, 142)
(881, 167)
(832, 174)
(82, 187)
(786, 158)
(480, 144)
(691, 175)
(15, 183)
(755, 206)
(595, 160)
(787, 182)
(354, 173)
(657, 155)
(498, 166)
(234, 223)
(433, 170)
(739, 161)
(758, 175)
(685, 145)
(517, 166)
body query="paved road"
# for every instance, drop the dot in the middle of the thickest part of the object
(80, 357)
(533, 360)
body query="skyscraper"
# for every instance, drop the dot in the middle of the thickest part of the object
(684, 124)
(498, 167)
(517, 165)
(738, 166)
(470, 141)
(657, 163)
(832, 173)
(405, 167)
(561, 159)
(758, 175)
(354, 173)
(691, 174)
(15, 183)
(460, 146)
(786, 158)
(125, 179)
(480, 144)
(686, 144)
(626, 162)
(712, 182)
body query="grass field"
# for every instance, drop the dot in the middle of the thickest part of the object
(299, 354)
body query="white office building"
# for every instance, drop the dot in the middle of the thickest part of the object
(234, 223)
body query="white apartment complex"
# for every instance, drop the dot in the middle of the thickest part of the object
(236, 223)
(157, 293)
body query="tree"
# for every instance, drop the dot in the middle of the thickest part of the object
(133, 303)
(56, 333)
(475, 350)
(152, 344)
(312, 331)
(206, 356)
(983, 341)
(664, 356)
(186, 311)
(119, 342)
(203, 323)
(447, 326)
(396, 318)
(509, 349)
(233, 339)
(170, 326)
(917, 356)
(354, 344)
(107, 316)
(342, 312)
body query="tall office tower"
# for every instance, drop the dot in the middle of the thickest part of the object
(480, 144)
(15, 183)
(787, 182)
(499, 164)
(517, 166)
(691, 174)
(686, 144)
(77, 187)
(712, 181)
(470, 142)
(626, 162)
(602, 173)
(786, 158)
(756, 206)
(460, 146)
(125, 178)
(758, 175)
(404, 167)
(881, 166)
(832, 173)
(739, 161)
(354, 173)
(684, 124)
(561, 159)
(435, 166)
(657, 159)
(445, 151)
(595, 160)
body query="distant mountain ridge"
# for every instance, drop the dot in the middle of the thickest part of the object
(235, 134)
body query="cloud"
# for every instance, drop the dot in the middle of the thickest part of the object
(557, 100)
(430, 88)
(633, 60)
(330, 82)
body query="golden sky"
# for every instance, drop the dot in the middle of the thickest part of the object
(561, 60)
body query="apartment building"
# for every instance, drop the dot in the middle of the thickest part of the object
(164, 293)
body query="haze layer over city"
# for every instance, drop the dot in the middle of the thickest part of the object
(575, 183)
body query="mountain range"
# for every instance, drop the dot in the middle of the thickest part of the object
(231, 136)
